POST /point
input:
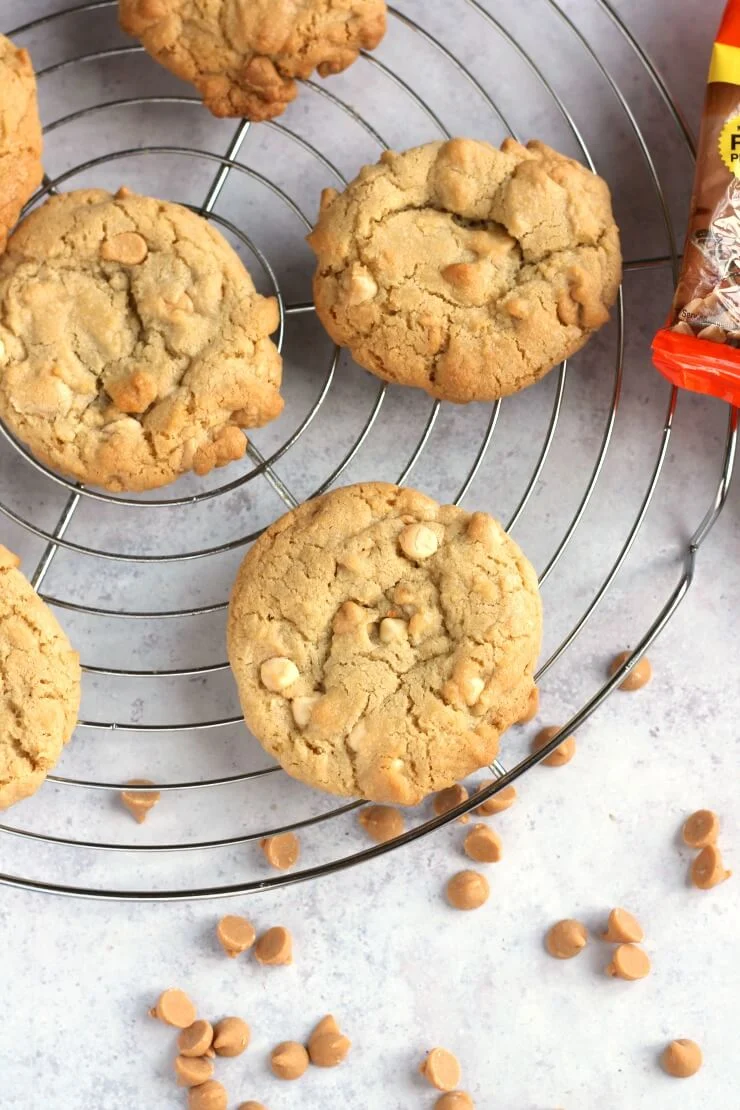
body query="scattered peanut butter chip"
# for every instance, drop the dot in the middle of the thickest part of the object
(191, 1071)
(209, 1096)
(497, 802)
(566, 939)
(623, 928)
(454, 1100)
(174, 1008)
(281, 851)
(445, 800)
(708, 870)
(128, 247)
(274, 947)
(441, 1068)
(230, 1036)
(682, 1058)
(278, 674)
(327, 1047)
(289, 1060)
(638, 677)
(483, 845)
(251, 1105)
(236, 934)
(468, 890)
(196, 1039)
(533, 707)
(418, 542)
(629, 962)
(701, 829)
(562, 754)
(139, 802)
(381, 823)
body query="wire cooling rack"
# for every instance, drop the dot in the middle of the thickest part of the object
(141, 582)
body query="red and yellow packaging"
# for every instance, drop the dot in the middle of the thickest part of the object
(699, 348)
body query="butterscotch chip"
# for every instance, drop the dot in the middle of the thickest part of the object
(562, 754)
(230, 1036)
(454, 1100)
(278, 674)
(629, 962)
(289, 1060)
(196, 1039)
(468, 890)
(447, 799)
(209, 1096)
(191, 1071)
(708, 870)
(441, 1068)
(275, 947)
(638, 677)
(533, 707)
(483, 845)
(137, 802)
(701, 829)
(236, 934)
(174, 1008)
(623, 928)
(497, 802)
(281, 851)
(381, 823)
(566, 939)
(327, 1047)
(682, 1058)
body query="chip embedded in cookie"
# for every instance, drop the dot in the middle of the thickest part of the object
(464, 270)
(39, 686)
(20, 135)
(133, 344)
(245, 56)
(406, 634)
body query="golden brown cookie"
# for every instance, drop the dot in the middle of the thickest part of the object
(245, 56)
(133, 346)
(466, 271)
(20, 135)
(39, 686)
(382, 642)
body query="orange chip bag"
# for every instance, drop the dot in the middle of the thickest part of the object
(699, 348)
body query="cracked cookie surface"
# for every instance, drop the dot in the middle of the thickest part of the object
(39, 686)
(20, 135)
(133, 345)
(245, 56)
(464, 270)
(382, 643)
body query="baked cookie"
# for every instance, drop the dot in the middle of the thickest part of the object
(20, 135)
(465, 270)
(39, 686)
(133, 346)
(245, 56)
(382, 643)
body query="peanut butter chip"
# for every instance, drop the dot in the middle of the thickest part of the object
(638, 677)
(381, 823)
(230, 1036)
(497, 802)
(209, 1096)
(289, 1060)
(454, 1100)
(281, 851)
(707, 870)
(533, 707)
(701, 829)
(483, 845)
(468, 890)
(175, 1008)
(682, 1058)
(562, 754)
(327, 1047)
(236, 934)
(623, 928)
(128, 247)
(418, 542)
(251, 1105)
(629, 962)
(137, 802)
(196, 1039)
(566, 939)
(278, 674)
(191, 1071)
(274, 947)
(442, 1069)
(447, 799)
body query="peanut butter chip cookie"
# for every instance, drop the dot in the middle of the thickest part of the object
(465, 270)
(39, 686)
(391, 719)
(20, 135)
(133, 346)
(245, 56)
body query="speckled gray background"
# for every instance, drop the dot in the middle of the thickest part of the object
(377, 945)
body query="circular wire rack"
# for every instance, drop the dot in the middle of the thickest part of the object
(94, 551)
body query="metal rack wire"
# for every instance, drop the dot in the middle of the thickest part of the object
(263, 471)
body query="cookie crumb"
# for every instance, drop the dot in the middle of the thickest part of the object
(231, 1036)
(441, 1068)
(289, 1060)
(281, 851)
(628, 962)
(468, 890)
(236, 934)
(445, 800)
(623, 928)
(138, 802)
(196, 1039)
(191, 1071)
(173, 1007)
(275, 947)
(562, 754)
(701, 829)
(483, 845)
(209, 1096)
(566, 938)
(708, 870)
(682, 1058)
(497, 803)
(639, 676)
(381, 823)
